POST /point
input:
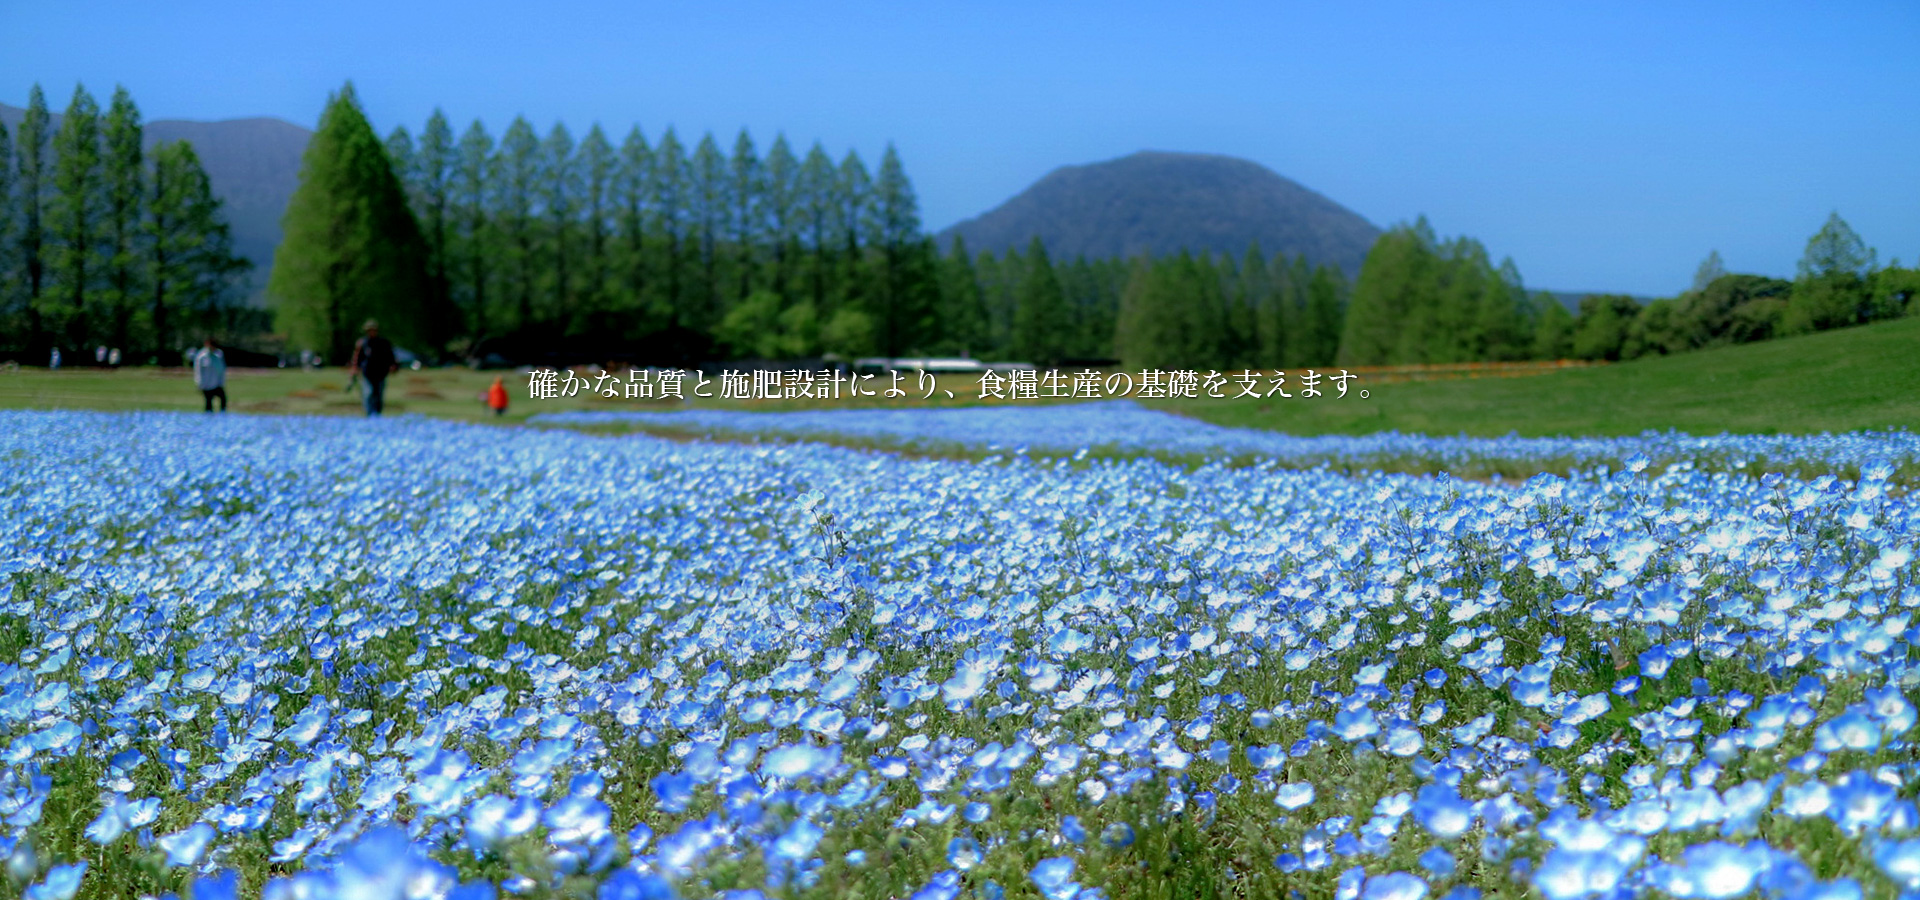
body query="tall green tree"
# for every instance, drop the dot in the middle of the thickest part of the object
(35, 178)
(352, 249)
(433, 170)
(853, 206)
(471, 243)
(1710, 270)
(189, 264)
(76, 217)
(560, 199)
(1325, 316)
(1832, 288)
(1041, 321)
(815, 189)
(11, 272)
(746, 208)
(1553, 330)
(1394, 296)
(904, 299)
(709, 193)
(632, 199)
(670, 191)
(125, 190)
(782, 212)
(598, 166)
(515, 196)
(963, 314)
(1600, 329)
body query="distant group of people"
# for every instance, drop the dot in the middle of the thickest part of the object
(102, 356)
(373, 361)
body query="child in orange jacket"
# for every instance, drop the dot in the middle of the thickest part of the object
(497, 396)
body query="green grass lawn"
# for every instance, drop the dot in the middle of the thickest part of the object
(1856, 378)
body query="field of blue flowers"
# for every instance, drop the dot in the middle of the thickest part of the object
(1123, 428)
(320, 658)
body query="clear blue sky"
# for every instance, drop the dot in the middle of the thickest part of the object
(1602, 145)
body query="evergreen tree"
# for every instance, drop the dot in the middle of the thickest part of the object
(815, 190)
(471, 246)
(1553, 331)
(598, 167)
(904, 312)
(746, 207)
(351, 249)
(1274, 318)
(31, 148)
(783, 214)
(853, 200)
(1040, 310)
(670, 199)
(633, 201)
(433, 170)
(124, 195)
(1258, 336)
(1710, 269)
(400, 152)
(518, 165)
(76, 217)
(1502, 327)
(560, 200)
(188, 249)
(1832, 289)
(1393, 299)
(1326, 314)
(12, 273)
(963, 314)
(709, 193)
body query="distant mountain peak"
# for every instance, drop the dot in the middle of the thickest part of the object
(253, 165)
(1160, 202)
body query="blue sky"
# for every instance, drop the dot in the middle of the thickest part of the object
(1604, 146)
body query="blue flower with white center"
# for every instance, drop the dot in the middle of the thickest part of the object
(1054, 878)
(1394, 886)
(187, 846)
(1442, 811)
(1293, 795)
(62, 883)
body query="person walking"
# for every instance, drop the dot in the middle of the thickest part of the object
(373, 360)
(210, 374)
(497, 396)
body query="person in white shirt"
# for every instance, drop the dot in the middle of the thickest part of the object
(210, 373)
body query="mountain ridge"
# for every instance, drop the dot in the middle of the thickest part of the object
(1161, 202)
(252, 163)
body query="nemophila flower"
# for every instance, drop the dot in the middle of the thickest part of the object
(187, 846)
(493, 819)
(1294, 795)
(1394, 886)
(61, 883)
(1053, 877)
(1715, 871)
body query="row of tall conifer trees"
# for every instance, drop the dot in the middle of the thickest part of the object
(106, 242)
(534, 245)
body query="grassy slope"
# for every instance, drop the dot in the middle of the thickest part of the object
(1866, 377)
(1855, 378)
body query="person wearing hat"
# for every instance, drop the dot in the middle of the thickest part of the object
(373, 360)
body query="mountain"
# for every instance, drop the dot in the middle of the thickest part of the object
(254, 165)
(1160, 203)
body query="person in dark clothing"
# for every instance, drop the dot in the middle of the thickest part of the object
(373, 360)
(210, 374)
